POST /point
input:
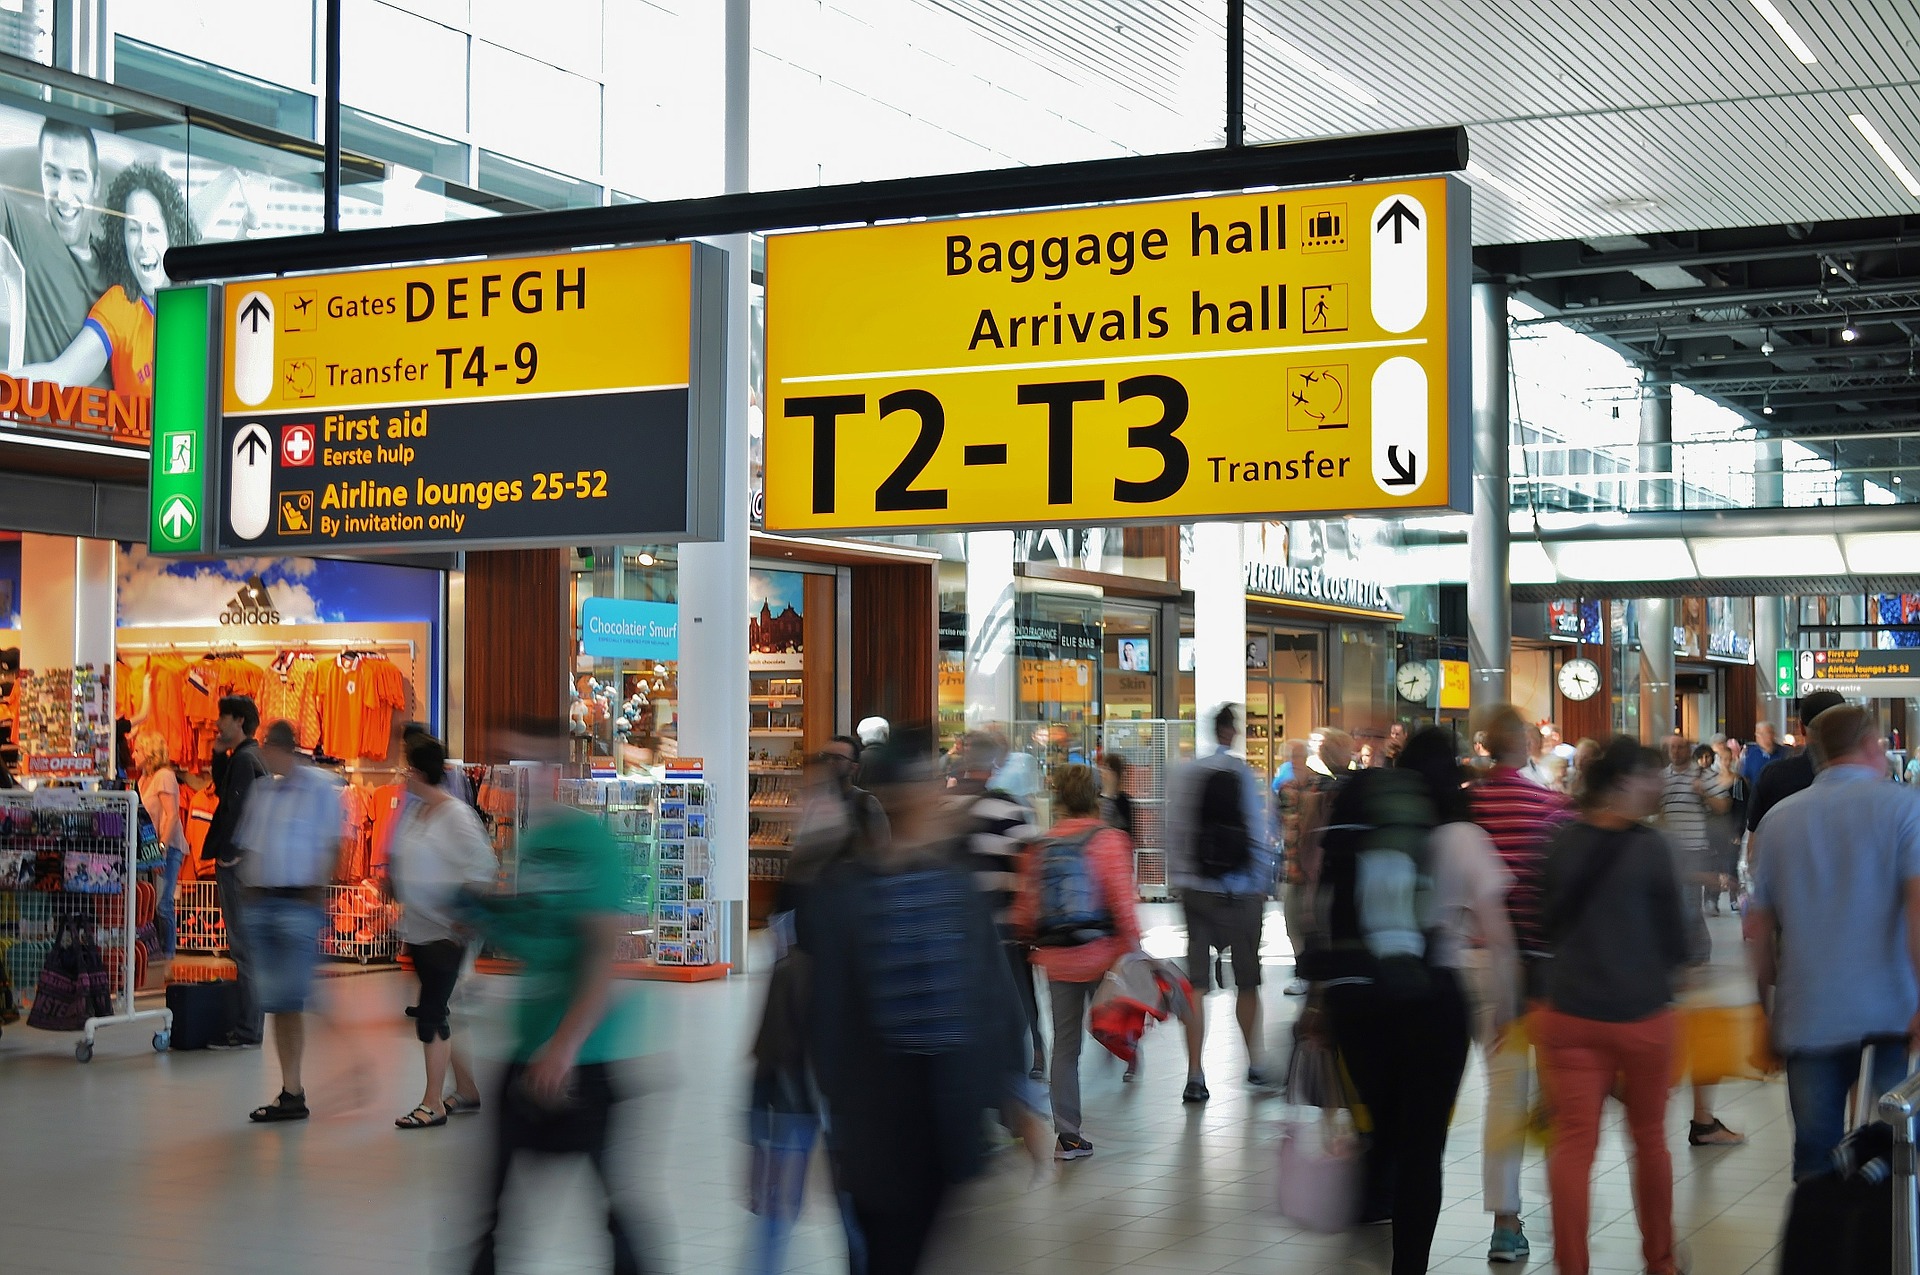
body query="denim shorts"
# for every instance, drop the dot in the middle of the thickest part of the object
(285, 937)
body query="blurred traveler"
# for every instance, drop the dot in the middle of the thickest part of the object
(440, 849)
(1556, 746)
(1612, 914)
(1221, 861)
(236, 768)
(1328, 753)
(1533, 772)
(455, 783)
(1585, 751)
(833, 811)
(1765, 748)
(571, 1031)
(1116, 803)
(1410, 883)
(1396, 741)
(1076, 905)
(1000, 836)
(1729, 828)
(1836, 945)
(160, 798)
(1519, 817)
(290, 843)
(913, 1030)
(1689, 801)
(1789, 773)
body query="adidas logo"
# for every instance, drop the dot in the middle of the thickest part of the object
(250, 605)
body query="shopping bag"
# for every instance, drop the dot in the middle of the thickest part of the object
(73, 982)
(1320, 1169)
(1719, 1042)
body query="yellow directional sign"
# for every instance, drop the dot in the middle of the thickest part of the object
(1236, 356)
(570, 323)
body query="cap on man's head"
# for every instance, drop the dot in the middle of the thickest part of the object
(1811, 706)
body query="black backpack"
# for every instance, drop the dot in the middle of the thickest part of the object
(1377, 876)
(1221, 846)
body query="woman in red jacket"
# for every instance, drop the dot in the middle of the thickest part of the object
(1076, 906)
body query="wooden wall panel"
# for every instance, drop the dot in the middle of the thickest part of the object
(817, 677)
(1743, 700)
(1591, 718)
(519, 644)
(894, 639)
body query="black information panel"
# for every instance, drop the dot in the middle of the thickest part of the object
(454, 475)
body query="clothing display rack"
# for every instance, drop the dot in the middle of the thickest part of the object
(64, 852)
(381, 645)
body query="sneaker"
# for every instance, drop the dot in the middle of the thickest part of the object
(1196, 1091)
(1509, 1245)
(1713, 1134)
(233, 1040)
(1298, 987)
(1070, 1148)
(1132, 1073)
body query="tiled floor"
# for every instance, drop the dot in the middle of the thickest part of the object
(146, 1163)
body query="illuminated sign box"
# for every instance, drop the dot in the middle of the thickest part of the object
(1235, 356)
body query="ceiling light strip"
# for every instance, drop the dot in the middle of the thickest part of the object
(1313, 66)
(1888, 156)
(1519, 195)
(1784, 29)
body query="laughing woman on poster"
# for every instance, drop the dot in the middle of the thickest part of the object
(146, 215)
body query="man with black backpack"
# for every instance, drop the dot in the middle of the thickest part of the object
(1221, 862)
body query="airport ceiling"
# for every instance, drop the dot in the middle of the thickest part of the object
(1623, 155)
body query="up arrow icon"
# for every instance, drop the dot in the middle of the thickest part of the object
(177, 518)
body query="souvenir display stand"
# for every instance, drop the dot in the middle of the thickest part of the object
(662, 827)
(64, 852)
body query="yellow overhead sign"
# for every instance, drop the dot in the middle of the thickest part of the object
(1292, 352)
(570, 323)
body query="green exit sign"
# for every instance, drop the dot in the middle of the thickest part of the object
(178, 488)
(1783, 674)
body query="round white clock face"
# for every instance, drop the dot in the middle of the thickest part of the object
(1414, 682)
(1579, 679)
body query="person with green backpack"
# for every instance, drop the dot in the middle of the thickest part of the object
(1076, 906)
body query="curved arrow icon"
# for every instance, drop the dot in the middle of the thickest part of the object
(1403, 475)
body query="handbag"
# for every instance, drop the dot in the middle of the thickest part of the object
(73, 982)
(1321, 1158)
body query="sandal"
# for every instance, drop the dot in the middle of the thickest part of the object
(457, 1105)
(288, 1106)
(412, 1120)
(1713, 1134)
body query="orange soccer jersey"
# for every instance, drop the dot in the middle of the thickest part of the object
(383, 691)
(125, 326)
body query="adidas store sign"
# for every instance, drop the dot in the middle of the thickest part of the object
(250, 605)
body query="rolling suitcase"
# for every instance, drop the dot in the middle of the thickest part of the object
(203, 1012)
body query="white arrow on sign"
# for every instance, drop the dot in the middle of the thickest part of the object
(253, 349)
(250, 502)
(177, 517)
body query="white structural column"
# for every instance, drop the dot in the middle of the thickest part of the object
(1219, 625)
(713, 577)
(1769, 637)
(67, 593)
(993, 671)
(1489, 590)
(1656, 669)
(1769, 475)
